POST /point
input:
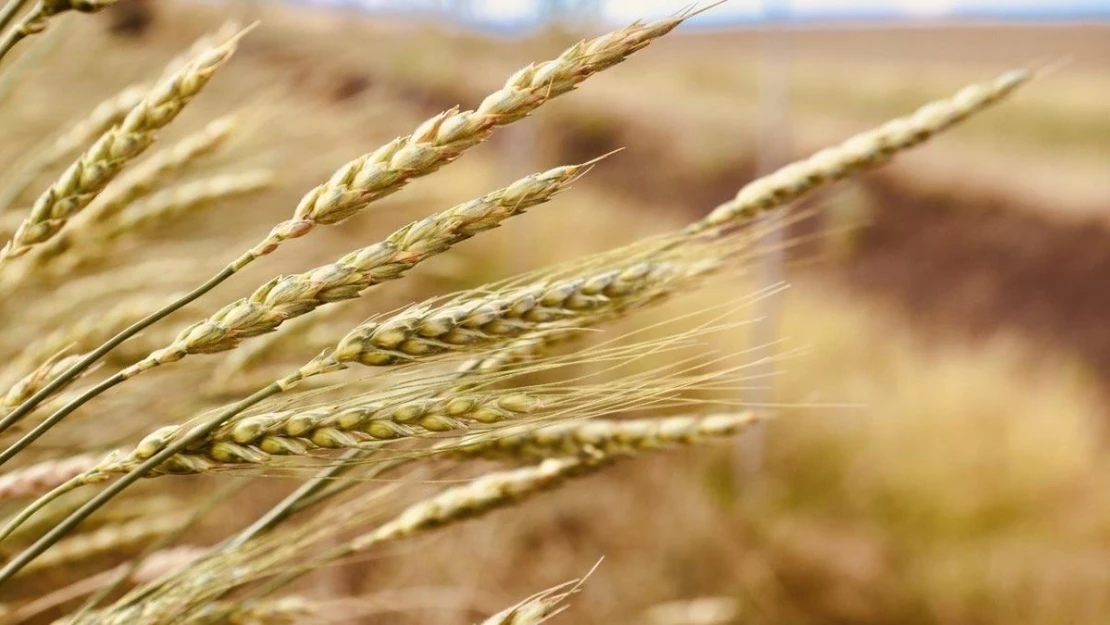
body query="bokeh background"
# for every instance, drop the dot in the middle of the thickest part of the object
(940, 452)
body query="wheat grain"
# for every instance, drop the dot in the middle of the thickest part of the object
(93, 170)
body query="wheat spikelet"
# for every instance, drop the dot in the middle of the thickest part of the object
(94, 169)
(105, 115)
(105, 541)
(443, 138)
(238, 371)
(597, 436)
(538, 608)
(285, 297)
(860, 153)
(35, 380)
(44, 476)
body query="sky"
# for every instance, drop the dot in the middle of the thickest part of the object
(523, 11)
(623, 10)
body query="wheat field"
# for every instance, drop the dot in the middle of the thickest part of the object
(258, 372)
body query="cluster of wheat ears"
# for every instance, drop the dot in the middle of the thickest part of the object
(435, 386)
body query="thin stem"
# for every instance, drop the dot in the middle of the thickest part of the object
(10, 10)
(55, 418)
(308, 495)
(95, 355)
(74, 519)
(20, 31)
(28, 511)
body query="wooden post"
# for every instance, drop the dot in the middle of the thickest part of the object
(773, 144)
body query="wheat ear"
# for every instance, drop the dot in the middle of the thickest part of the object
(256, 439)
(486, 493)
(173, 201)
(479, 323)
(597, 436)
(93, 170)
(43, 477)
(860, 153)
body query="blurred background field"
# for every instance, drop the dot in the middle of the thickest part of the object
(940, 455)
